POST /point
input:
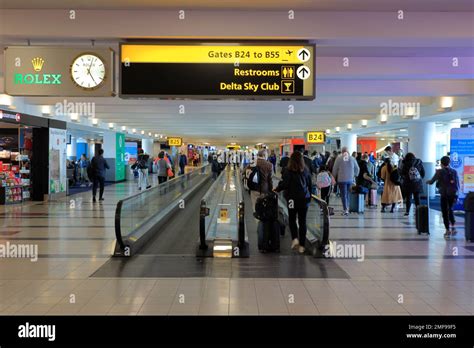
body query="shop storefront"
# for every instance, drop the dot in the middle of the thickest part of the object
(25, 159)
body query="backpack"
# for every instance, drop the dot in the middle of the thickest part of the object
(253, 179)
(414, 174)
(266, 207)
(303, 192)
(323, 180)
(450, 182)
(395, 177)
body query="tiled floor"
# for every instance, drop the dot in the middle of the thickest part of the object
(402, 273)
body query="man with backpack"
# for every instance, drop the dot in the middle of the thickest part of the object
(448, 185)
(142, 166)
(412, 173)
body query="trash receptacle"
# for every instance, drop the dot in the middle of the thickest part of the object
(469, 216)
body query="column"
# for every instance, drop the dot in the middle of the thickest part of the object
(422, 143)
(114, 153)
(349, 140)
(147, 146)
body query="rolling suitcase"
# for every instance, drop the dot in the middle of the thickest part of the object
(268, 236)
(373, 198)
(356, 203)
(422, 215)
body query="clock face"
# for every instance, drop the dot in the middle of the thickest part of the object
(88, 71)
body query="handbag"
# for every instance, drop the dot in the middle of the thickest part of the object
(169, 172)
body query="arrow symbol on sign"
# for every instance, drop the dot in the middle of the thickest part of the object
(303, 54)
(304, 71)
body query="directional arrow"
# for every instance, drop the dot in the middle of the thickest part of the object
(303, 72)
(303, 54)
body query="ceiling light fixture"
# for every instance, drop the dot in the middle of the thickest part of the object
(46, 110)
(383, 118)
(338, 129)
(111, 125)
(363, 123)
(95, 121)
(328, 131)
(134, 130)
(142, 132)
(349, 126)
(447, 102)
(5, 100)
(124, 128)
(74, 116)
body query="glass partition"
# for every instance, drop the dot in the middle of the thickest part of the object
(135, 211)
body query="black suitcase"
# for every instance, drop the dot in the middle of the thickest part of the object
(469, 216)
(268, 236)
(422, 214)
(422, 219)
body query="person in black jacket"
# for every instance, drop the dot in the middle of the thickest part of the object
(284, 161)
(296, 182)
(99, 165)
(412, 173)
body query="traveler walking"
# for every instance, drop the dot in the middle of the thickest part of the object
(284, 161)
(183, 162)
(392, 193)
(345, 170)
(163, 167)
(447, 181)
(215, 167)
(273, 160)
(142, 166)
(83, 164)
(324, 182)
(98, 167)
(412, 173)
(296, 184)
(260, 179)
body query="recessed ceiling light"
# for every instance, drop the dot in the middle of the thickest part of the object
(403, 130)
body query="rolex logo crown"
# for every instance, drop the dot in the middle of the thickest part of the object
(37, 63)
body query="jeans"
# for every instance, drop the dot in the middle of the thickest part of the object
(181, 170)
(299, 211)
(344, 190)
(98, 181)
(143, 178)
(408, 195)
(84, 176)
(447, 203)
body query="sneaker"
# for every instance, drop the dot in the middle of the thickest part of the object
(406, 214)
(447, 235)
(295, 243)
(301, 250)
(101, 199)
(94, 200)
(453, 231)
(148, 187)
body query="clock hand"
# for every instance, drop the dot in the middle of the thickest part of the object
(92, 77)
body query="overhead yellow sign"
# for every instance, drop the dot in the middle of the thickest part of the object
(175, 141)
(315, 137)
(245, 54)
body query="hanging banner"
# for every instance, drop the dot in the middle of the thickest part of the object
(57, 160)
(462, 160)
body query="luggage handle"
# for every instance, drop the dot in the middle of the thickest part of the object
(428, 196)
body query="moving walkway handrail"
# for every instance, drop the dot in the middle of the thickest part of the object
(118, 209)
(325, 210)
